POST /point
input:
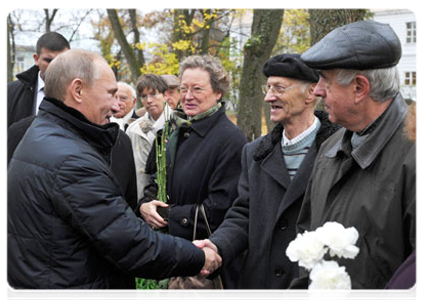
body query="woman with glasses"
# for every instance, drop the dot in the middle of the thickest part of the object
(204, 156)
(152, 90)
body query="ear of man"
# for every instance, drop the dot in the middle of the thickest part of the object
(310, 96)
(76, 90)
(361, 88)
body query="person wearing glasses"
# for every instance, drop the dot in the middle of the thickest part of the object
(151, 90)
(204, 157)
(127, 97)
(275, 172)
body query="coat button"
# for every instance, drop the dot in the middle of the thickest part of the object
(184, 222)
(186, 135)
(282, 225)
(278, 272)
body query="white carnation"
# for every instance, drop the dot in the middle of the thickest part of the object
(329, 275)
(341, 241)
(307, 249)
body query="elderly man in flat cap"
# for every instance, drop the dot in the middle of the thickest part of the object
(275, 171)
(365, 174)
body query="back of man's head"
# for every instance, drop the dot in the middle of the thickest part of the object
(52, 41)
(68, 66)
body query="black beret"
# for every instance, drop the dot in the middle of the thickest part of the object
(361, 45)
(291, 66)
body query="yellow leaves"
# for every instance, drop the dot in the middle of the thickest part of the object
(140, 46)
(164, 62)
(182, 45)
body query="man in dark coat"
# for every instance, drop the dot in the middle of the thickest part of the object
(68, 224)
(25, 94)
(275, 172)
(365, 174)
(122, 159)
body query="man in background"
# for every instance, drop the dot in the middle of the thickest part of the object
(25, 94)
(127, 97)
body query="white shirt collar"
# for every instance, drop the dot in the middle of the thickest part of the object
(288, 142)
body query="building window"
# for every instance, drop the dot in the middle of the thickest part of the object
(410, 78)
(411, 32)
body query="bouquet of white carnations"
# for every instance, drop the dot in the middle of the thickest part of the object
(309, 249)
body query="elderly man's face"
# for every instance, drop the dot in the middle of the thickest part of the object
(100, 101)
(338, 100)
(286, 98)
(126, 100)
(173, 96)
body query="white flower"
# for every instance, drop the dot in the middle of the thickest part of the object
(329, 275)
(307, 249)
(341, 241)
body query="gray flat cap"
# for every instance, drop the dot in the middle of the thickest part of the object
(361, 45)
(171, 80)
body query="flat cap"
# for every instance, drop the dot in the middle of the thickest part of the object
(361, 45)
(171, 80)
(291, 66)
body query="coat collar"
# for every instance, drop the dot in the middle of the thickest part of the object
(204, 125)
(30, 76)
(267, 144)
(101, 137)
(367, 152)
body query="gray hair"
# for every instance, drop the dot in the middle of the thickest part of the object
(131, 88)
(68, 66)
(384, 83)
(219, 78)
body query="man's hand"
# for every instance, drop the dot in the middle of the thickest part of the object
(149, 214)
(213, 259)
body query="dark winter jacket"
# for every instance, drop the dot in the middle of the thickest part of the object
(122, 158)
(264, 216)
(372, 188)
(68, 224)
(21, 95)
(206, 170)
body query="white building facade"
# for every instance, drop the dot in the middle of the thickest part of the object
(403, 22)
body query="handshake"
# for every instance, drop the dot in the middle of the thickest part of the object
(213, 259)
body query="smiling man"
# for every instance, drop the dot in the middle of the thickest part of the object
(68, 223)
(275, 171)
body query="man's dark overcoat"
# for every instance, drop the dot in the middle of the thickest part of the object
(21, 95)
(263, 218)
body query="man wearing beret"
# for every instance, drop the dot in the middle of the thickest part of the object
(365, 174)
(275, 172)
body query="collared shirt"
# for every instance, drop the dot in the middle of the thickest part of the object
(124, 120)
(40, 93)
(302, 135)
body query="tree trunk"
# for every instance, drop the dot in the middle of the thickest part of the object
(181, 16)
(323, 21)
(49, 19)
(11, 50)
(257, 50)
(139, 52)
(127, 50)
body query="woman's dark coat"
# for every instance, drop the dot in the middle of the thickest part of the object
(68, 224)
(206, 170)
(263, 218)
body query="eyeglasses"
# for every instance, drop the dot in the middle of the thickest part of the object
(144, 97)
(194, 90)
(276, 90)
